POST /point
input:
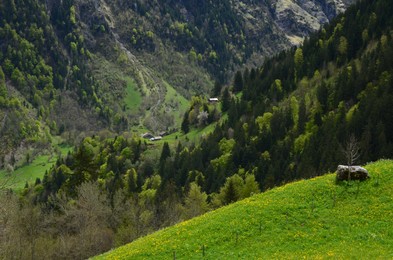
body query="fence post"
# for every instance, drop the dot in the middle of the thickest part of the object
(260, 227)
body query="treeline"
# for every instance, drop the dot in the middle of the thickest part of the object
(127, 164)
(108, 192)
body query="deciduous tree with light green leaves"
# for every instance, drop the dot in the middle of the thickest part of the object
(195, 202)
(298, 59)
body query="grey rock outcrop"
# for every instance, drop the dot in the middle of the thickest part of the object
(298, 18)
(351, 173)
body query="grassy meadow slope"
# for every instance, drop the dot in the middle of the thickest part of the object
(313, 218)
(28, 173)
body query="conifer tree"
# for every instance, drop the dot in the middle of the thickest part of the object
(217, 89)
(166, 152)
(226, 100)
(185, 125)
(298, 59)
(3, 89)
(238, 82)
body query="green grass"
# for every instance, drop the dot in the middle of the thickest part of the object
(196, 134)
(313, 219)
(172, 97)
(30, 172)
(193, 136)
(27, 173)
(133, 98)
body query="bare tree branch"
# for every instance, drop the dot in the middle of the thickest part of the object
(352, 150)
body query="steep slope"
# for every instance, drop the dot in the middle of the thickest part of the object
(192, 37)
(70, 63)
(297, 19)
(313, 219)
(187, 44)
(39, 79)
(291, 117)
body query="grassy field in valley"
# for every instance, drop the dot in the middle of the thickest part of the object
(30, 172)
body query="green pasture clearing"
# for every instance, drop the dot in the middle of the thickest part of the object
(133, 98)
(30, 172)
(175, 104)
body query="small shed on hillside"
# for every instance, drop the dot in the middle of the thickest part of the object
(156, 138)
(213, 100)
(147, 135)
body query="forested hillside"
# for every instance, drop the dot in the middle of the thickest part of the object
(296, 113)
(75, 67)
(288, 119)
(301, 107)
(46, 86)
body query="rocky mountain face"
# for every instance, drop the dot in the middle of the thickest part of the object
(182, 40)
(299, 18)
